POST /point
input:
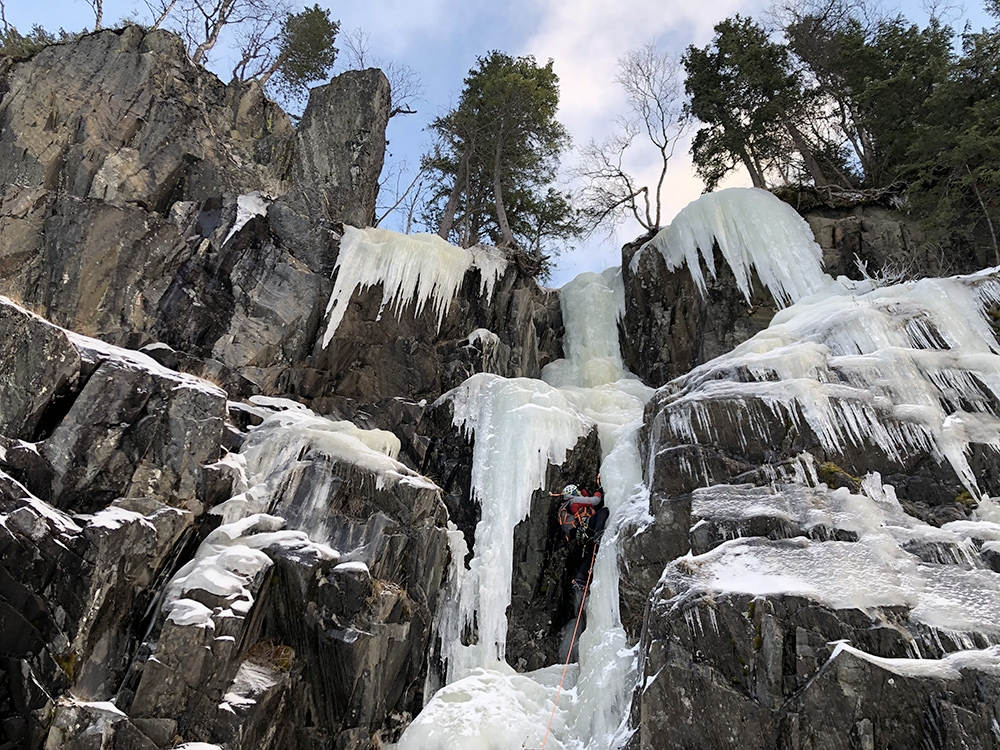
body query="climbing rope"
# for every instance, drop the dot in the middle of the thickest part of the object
(569, 652)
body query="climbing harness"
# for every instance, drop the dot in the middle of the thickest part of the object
(569, 652)
(575, 517)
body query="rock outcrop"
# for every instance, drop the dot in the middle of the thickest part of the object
(125, 117)
(226, 224)
(670, 326)
(144, 203)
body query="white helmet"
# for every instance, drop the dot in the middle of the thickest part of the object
(571, 489)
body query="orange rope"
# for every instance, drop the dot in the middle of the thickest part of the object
(569, 652)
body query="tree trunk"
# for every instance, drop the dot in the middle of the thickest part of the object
(756, 178)
(279, 61)
(508, 236)
(225, 9)
(448, 218)
(986, 213)
(812, 166)
(98, 13)
(163, 16)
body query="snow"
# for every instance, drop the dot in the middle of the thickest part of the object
(251, 681)
(942, 669)
(248, 206)
(114, 517)
(104, 707)
(128, 358)
(420, 266)
(491, 709)
(187, 612)
(276, 403)
(354, 566)
(229, 565)
(755, 232)
(874, 572)
(96, 349)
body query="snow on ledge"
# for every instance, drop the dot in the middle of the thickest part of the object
(419, 265)
(755, 231)
(248, 206)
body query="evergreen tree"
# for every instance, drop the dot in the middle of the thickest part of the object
(871, 85)
(953, 158)
(745, 93)
(293, 54)
(497, 153)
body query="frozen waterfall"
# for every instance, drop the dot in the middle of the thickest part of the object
(520, 426)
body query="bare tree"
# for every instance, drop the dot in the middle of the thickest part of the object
(404, 82)
(160, 10)
(654, 89)
(98, 6)
(258, 42)
(3, 19)
(201, 22)
(405, 200)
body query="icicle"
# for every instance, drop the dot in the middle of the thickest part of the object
(846, 366)
(755, 232)
(421, 266)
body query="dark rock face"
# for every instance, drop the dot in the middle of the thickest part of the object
(123, 116)
(871, 230)
(722, 666)
(175, 568)
(376, 355)
(311, 647)
(670, 327)
(724, 678)
(338, 156)
(122, 445)
(878, 237)
(40, 366)
(236, 286)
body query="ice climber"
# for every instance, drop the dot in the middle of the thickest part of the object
(582, 518)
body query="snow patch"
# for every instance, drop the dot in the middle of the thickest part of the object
(248, 206)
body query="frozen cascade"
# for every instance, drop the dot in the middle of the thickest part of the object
(755, 232)
(875, 571)
(421, 266)
(909, 368)
(519, 426)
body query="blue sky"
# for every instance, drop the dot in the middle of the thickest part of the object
(440, 39)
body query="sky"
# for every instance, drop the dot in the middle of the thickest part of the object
(440, 40)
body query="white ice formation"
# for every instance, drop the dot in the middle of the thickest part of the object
(248, 206)
(519, 427)
(410, 268)
(906, 369)
(231, 560)
(877, 570)
(755, 232)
